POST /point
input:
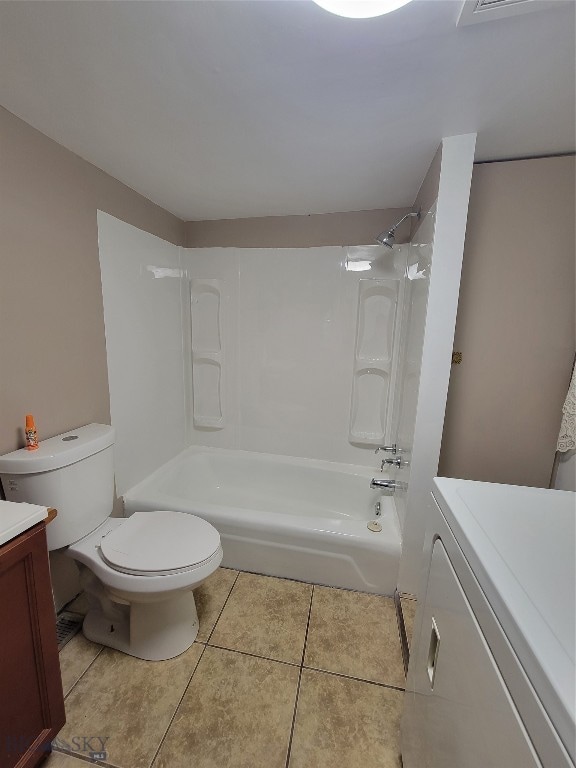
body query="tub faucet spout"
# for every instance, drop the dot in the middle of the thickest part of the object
(386, 486)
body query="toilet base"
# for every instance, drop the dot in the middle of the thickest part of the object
(151, 631)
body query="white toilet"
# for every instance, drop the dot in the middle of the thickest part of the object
(139, 572)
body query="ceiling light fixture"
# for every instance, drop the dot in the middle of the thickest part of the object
(361, 9)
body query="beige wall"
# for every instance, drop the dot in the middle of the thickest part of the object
(351, 228)
(516, 323)
(52, 347)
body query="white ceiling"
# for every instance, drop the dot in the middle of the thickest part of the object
(235, 108)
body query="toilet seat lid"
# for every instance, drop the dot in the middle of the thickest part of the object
(159, 542)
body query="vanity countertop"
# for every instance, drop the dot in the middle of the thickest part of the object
(17, 517)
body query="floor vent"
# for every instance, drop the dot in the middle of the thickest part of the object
(67, 625)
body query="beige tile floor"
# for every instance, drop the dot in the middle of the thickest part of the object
(282, 675)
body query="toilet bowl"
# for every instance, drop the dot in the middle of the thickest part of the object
(139, 572)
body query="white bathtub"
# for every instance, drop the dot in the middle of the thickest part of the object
(277, 515)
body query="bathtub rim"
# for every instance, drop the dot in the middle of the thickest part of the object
(250, 535)
(135, 498)
(357, 470)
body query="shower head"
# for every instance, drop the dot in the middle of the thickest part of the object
(387, 237)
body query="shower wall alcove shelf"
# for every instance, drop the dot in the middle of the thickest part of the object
(375, 361)
(207, 353)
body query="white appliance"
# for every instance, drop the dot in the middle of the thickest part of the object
(491, 679)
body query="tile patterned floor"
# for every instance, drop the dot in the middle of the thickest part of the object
(354, 634)
(265, 616)
(282, 675)
(60, 760)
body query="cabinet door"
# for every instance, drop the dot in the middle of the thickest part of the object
(31, 700)
(459, 713)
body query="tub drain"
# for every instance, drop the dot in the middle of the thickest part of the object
(67, 625)
(374, 526)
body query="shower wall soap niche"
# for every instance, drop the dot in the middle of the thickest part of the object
(375, 359)
(207, 353)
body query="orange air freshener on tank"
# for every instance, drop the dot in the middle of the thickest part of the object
(31, 434)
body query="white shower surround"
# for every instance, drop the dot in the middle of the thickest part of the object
(295, 518)
(187, 366)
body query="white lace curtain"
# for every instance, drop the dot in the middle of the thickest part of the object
(567, 436)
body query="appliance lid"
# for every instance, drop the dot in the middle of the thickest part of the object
(159, 542)
(520, 543)
(59, 451)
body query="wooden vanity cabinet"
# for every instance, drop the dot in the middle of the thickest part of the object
(31, 698)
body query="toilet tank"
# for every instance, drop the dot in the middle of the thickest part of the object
(73, 472)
